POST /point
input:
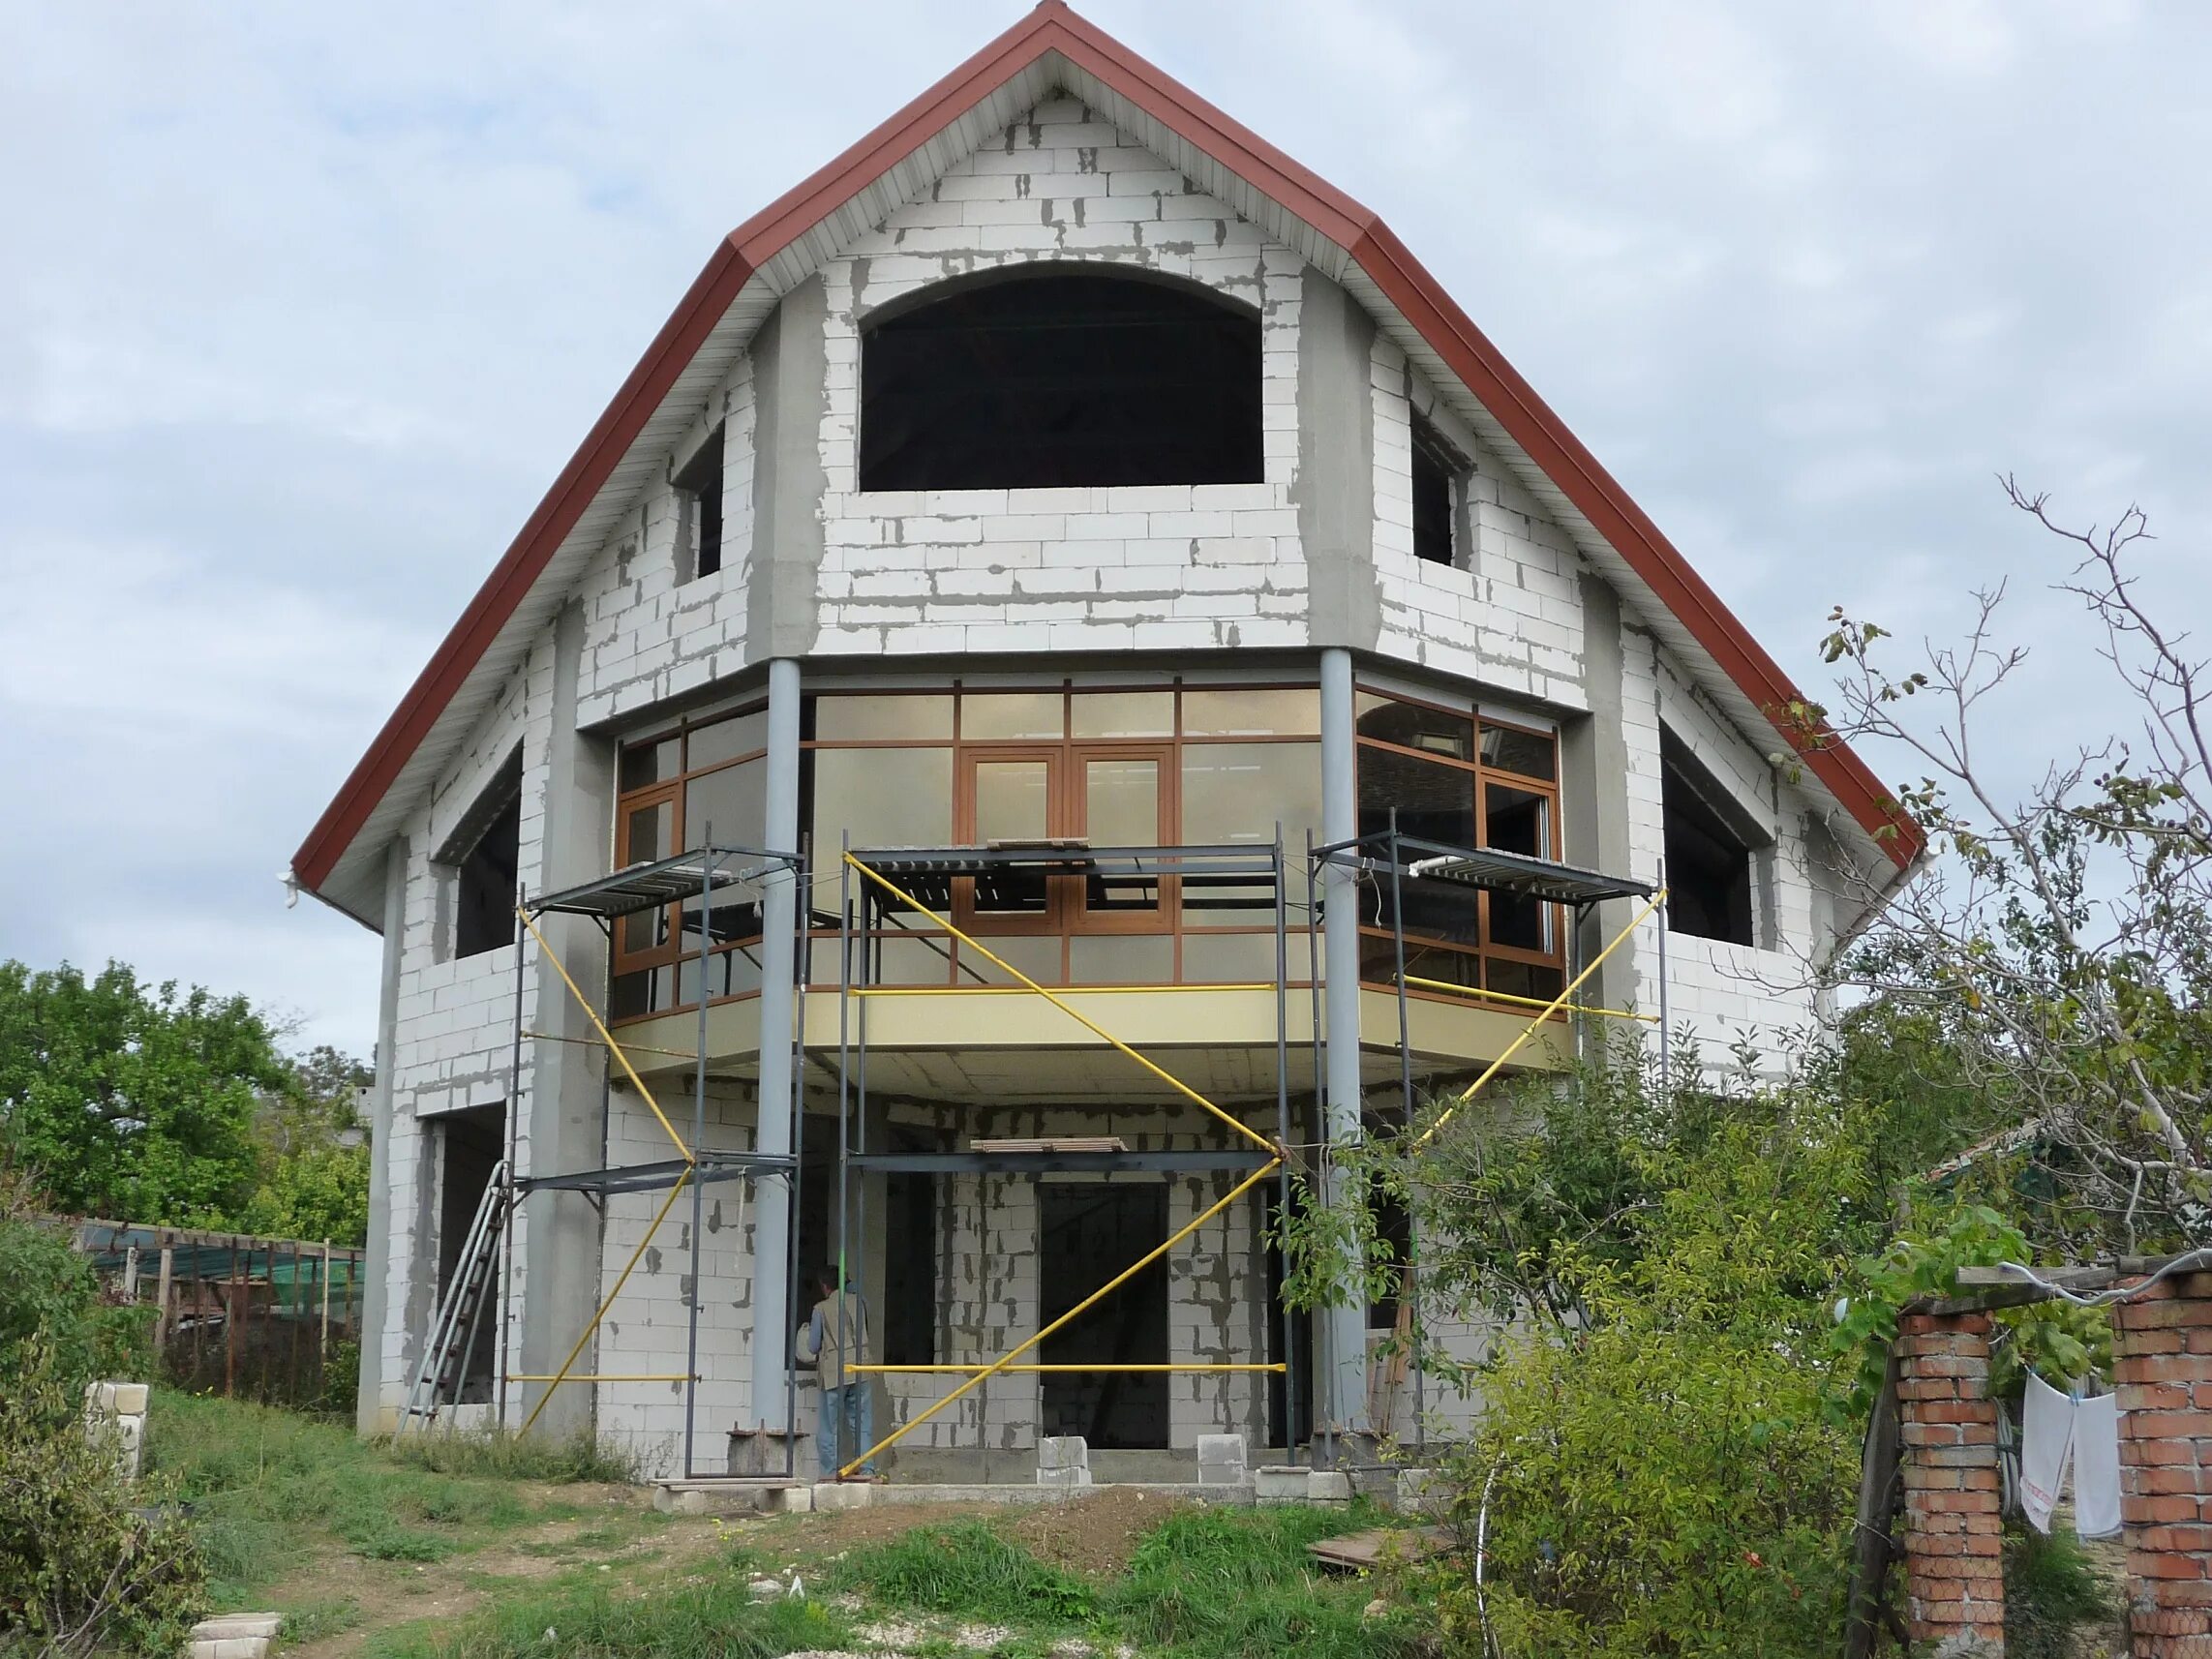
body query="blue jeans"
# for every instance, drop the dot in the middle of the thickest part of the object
(844, 1427)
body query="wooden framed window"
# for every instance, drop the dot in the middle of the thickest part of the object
(1461, 780)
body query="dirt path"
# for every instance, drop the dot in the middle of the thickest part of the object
(341, 1599)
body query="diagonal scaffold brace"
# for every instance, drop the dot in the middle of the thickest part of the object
(1007, 1362)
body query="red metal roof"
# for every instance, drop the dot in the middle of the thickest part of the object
(1418, 296)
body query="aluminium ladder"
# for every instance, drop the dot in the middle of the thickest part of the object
(460, 1318)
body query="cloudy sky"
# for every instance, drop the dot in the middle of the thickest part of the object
(301, 308)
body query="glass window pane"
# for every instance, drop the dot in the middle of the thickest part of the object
(1434, 802)
(729, 974)
(1038, 956)
(731, 804)
(1121, 959)
(1124, 715)
(1523, 978)
(1531, 754)
(924, 717)
(1518, 821)
(647, 832)
(651, 763)
(1292, 713)
(1013, 800)
(883, 797)
(726, 740)
(1121, 802)
(989, 715)
(895, 961)
(645, 991)
(1236, 958)
(1410, 726)
(1236, 793)
(1425, 959)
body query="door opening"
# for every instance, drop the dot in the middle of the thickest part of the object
(1086, 1230)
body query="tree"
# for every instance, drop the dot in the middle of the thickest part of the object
(2060, 937)
(134, 1100)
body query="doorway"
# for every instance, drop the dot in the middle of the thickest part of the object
(1085, 1234)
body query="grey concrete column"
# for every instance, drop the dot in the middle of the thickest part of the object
(1342, 1334)
(772, 1132)
(374, 1298)
(1593, 795)
(563, 1113)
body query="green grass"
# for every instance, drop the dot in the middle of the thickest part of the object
(971, 1569)
(312, 1622)
(2050, 1590)
(262, 1481)
(1220, 1583)
(579, 1618)
(500, 1456)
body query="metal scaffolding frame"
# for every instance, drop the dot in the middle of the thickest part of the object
(901, 878)
(702, 875)
(909, 880)
(1388, 855)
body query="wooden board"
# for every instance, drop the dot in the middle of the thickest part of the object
(1357, 1550)
(1059, 1143)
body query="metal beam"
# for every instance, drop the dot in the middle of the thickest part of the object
(1053, 1163)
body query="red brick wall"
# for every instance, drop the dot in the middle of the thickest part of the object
(2163, 1365)
(1955, 1583)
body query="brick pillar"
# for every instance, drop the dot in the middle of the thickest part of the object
(2162, 1347)
(1955, 1580)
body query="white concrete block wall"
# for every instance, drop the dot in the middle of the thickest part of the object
(647, 1327)
(649, 637)
(1507, 611)
(1156, 568)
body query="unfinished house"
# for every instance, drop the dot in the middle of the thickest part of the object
(1069, 673)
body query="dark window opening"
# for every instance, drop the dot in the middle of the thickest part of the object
(1080, 1227)
(702, 481)
(1435, 467)
(910, 1268)
(484, 893)
(1037, 379)
(1708, 859)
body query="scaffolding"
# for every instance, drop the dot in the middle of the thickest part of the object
(701, 876)
(876, 886)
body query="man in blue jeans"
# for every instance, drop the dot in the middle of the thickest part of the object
(837, 1341)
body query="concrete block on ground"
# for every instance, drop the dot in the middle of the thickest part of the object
(239, 1625)
(1421, 1492)
(1282, 1485)
(236, 1636)
(1065, 1480)
(714, 1498)
(1221, 1460)
(842, 1494)
(117, 1399)
(1327, 1486)
(1063, 1452)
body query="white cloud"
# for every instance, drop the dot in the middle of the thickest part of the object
(302, 307)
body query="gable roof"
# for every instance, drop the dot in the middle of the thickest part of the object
(786, 240)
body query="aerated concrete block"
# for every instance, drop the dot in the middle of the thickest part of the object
(1063, 1452)
(1221, 1460)
(1279, 1484)
(1327, 1486)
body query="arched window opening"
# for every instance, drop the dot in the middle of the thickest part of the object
(1061, 379)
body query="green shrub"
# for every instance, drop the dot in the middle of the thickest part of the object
(2050, 1591)
(80, 1568)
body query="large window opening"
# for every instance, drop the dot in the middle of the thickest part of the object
(1037, 379)
(699, 488)
(1460, 781)
(485, 875)
(1708, 851)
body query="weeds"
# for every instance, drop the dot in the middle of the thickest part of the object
(971, 1569)
(497, 1455)
(255, 1477)
(2051, 1590)
(713, 1618)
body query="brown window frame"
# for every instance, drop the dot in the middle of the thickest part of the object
(1484, 949)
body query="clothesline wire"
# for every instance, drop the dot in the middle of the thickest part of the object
(2193, 1261)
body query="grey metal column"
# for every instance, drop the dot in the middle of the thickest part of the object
(1346, 1396)
(771, 1123)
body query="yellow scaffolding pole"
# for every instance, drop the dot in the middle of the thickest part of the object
(562, 1376)
(1537, 1021)
(1056, 1369)
(1084, 1306)
(1016, 991)
(1479, 993)
(1084, 1020)
(605, 1036)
